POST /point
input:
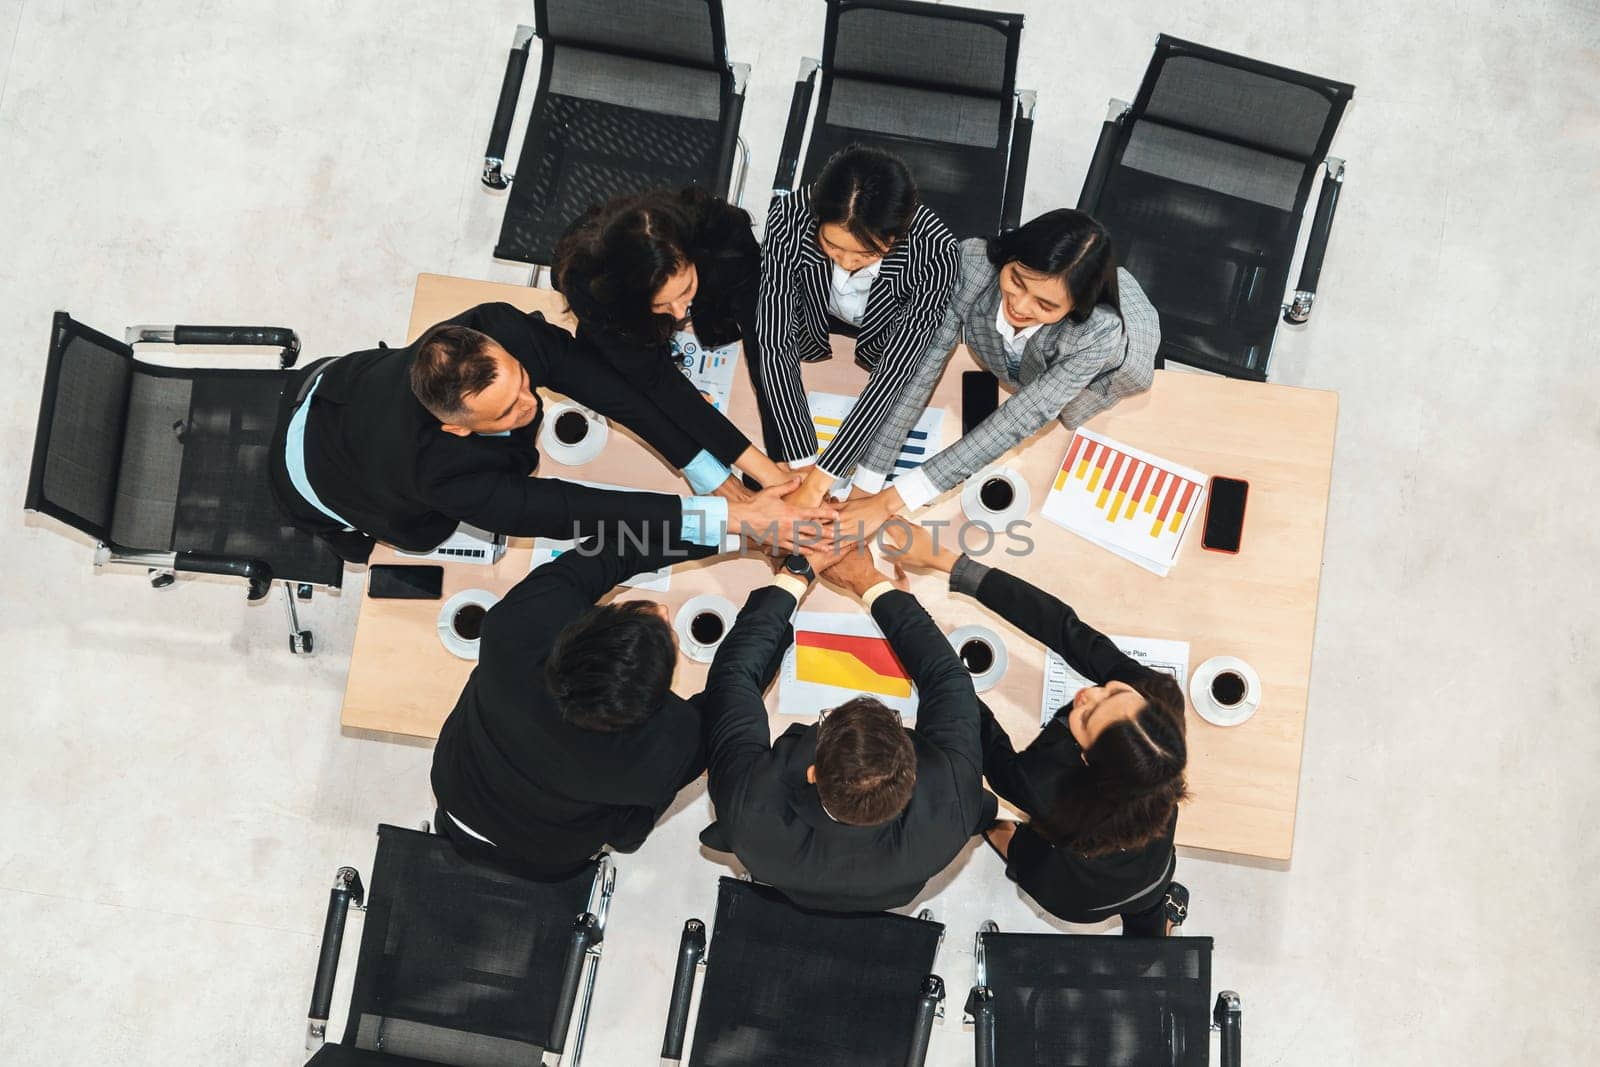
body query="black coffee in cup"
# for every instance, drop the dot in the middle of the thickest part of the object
(997, 494)
(467, 622)
(706, 627)
(977, 656)
(1228, 688)
(571, 427)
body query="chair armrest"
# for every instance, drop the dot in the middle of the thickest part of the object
(494, 156)
(929, 1004)
(691, 951)
(347, 889)
(280, 337)
(1100, 165)
(1298, 310)
(794, 133)
(728, 153)
(1017, 167)
(1227, 1015)
(257, 572)
(980, 1005)
(585, 932)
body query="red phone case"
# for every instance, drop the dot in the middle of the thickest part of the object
(1242, 512)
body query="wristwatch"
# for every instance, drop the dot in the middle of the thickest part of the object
(800, 567)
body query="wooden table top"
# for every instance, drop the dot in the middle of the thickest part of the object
(1259, 605)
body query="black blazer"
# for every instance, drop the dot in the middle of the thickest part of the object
(376, 456)
(769, 815)
(904, 308)
(548, 793)
(728, 262)
(1070, 886)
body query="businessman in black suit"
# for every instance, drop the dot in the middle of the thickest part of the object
(403, 444)
(568, 736)
(855, 812)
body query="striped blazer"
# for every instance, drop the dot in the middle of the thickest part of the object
(1069, 371)
(904, 309)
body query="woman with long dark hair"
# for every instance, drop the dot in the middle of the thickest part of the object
(1043, 307)
(1101, 784)
(655, 278)
(855, 254)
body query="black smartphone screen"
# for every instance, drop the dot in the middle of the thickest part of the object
(980, 395)
(1225, 514)
(404, 582)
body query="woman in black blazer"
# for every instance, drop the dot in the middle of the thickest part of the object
(649, 273)
(856, 253)
(1101, 783)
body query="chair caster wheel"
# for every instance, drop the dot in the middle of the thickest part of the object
(162, 579)
(300, 641)
(303, 591)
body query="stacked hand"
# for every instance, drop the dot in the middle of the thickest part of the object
(770, 519)
(916, 547)
(864, 515)
(851, 569)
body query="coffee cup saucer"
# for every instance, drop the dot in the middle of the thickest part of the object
(720, 606)
(453, 642)
(580, 452)
(983, 680)
(1206, 705)
(973, 507)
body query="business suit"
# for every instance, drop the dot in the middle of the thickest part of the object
(1077, 888)
(545, 793)
(727, 261)
(904, 307)
(380, 460)
(1069, 372)
(770, 816)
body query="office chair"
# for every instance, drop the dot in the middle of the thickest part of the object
(1066, 1000)
(632, 94)
(1203, 182)
(785, 987)
(460, 963)
(168, 467)
(931, 83)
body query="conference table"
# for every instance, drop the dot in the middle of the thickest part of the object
(1259, 604)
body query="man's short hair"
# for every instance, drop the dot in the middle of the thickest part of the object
(451, 363)
(866, 764)
(611, 668)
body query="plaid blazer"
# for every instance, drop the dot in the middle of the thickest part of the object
(1069, 371)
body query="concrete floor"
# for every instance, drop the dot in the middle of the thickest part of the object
(178, 792)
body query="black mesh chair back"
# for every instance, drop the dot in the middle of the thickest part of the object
(933, 84)
(632, 94)
(790, 988)
(1067, 1000)
(1204, 191)
(146, 458)
(460, 963)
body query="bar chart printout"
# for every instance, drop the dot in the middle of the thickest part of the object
(837, 657)
(1126, 501)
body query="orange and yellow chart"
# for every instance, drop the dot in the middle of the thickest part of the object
(837, 657)
(1127, 501)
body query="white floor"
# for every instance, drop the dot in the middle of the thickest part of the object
(178, 794)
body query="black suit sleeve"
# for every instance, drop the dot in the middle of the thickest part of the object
(732, 708)
(553, 360)
(1025, 779)
(589, 571)
(1049, 620)
(947, 706)
(508, 503)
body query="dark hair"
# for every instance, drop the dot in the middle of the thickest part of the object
(867, 191)
(1068, 245)
(1131, 787)
(866, 765)
(617, 256)
(451, 363)
(610, 669)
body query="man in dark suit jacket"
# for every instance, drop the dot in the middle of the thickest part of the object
(567, 736)
(856, 812)
(403, 444)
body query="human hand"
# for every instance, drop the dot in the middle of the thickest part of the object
(914, 546)
(733, 490)
(769, 519)
(852, 570)
(865, 515)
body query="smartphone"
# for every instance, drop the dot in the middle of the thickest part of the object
(387, 581)
(980, 395)
(1225, 501)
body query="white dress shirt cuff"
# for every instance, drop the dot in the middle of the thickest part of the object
(869, 481)
(916, 489)
(875, 592)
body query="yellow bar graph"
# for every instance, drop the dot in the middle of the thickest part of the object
(1116, 507)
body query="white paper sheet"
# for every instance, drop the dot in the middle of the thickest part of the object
(815, 676)
(1061, 681)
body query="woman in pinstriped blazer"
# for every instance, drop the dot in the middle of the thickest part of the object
(1047, 310)
(855, 253)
